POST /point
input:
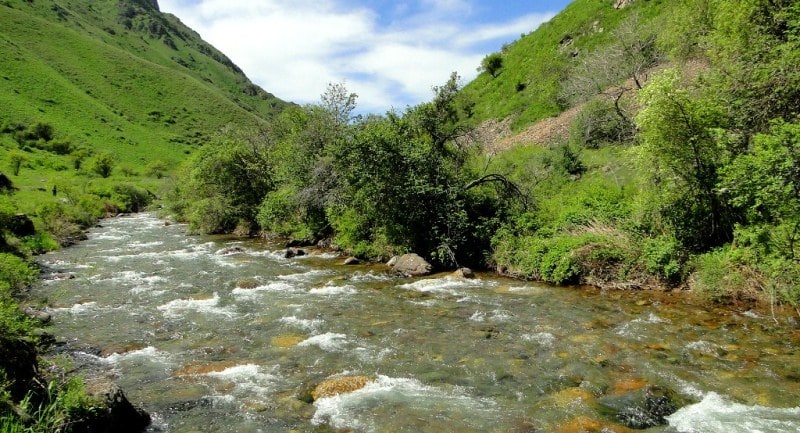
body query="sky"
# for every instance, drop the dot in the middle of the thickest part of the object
(390, 53)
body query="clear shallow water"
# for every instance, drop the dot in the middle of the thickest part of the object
(213, 339)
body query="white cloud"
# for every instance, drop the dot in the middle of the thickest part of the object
(294, 48)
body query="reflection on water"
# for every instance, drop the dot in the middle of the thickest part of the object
(211, 334)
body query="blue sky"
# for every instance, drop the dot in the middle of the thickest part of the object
(388, 52)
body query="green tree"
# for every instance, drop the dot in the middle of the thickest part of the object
(680, 151)
(492, 64)
(223, 183)
(103, 164)
(766, 183)
(16, 158)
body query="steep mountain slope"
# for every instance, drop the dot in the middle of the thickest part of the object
(120, 77)
(536, 68)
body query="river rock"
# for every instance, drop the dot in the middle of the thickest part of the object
(230, 250)
(411, 265)
(340, 385)
(642, 408)
(351, 261)
(294, 252)
(116, 414)
(42, 316)
(464, 273)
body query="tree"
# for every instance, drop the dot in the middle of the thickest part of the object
(766, 183)
(103, 164)
(16, 158)
(492, 64)
(680, 151)
(604, 71)
(223, 183)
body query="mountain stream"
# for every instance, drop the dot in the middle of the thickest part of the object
(217, 334)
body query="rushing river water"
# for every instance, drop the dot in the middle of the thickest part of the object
(214, 334)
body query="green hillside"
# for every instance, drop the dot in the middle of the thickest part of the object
(530, 84)
(121, 77)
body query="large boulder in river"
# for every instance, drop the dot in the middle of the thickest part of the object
(411, 265)
(340, 385)
(116, 413)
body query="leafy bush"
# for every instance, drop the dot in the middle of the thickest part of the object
(16, 272)
(103, 164)
(664, 256)
(720, 277)
(130, 198)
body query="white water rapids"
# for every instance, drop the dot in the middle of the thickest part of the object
(215, 334)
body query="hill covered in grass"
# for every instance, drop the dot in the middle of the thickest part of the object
(120, 77)
(529, 84)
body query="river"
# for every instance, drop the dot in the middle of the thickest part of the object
(215, 334)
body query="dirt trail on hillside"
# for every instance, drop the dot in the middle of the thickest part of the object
(497, 136)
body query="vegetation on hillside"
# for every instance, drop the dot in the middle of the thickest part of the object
(670, 177)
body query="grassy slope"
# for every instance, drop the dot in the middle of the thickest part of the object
(539, 61)
(73, 65)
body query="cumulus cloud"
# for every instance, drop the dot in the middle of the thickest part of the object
(389, 55)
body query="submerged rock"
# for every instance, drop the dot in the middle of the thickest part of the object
(411, 265)
(294, 252)
(640, 408)
(340, 385)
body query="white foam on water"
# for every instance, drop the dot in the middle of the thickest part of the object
(716, 414)
(502, 315)
(307, 324)
(141, 244)
(544, 339)
(448, 285)
(329, 342)
(425, 303)
(478, 316)
(149, 353)
(177, 307)
(369, 276)
(631, 329)
(334, 290)
(248, 379)
(351, 410)
(76, 309)
(704, 347)
(305, 276)
(274, 287)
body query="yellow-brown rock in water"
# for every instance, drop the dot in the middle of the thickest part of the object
(340, 385)
(286, 341)
(569, 396)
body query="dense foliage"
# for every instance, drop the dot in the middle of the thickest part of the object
(375, 185)
(674, 174)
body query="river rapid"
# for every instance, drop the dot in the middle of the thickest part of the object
(214, 334)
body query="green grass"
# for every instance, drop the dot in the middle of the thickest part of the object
(127, 92)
